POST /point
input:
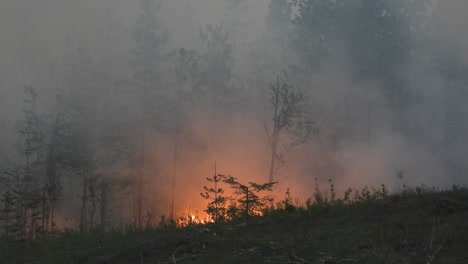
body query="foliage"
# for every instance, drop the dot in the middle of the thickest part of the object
(247, 199)
(376, 35)
(415, 227)
(186, 71)
(279, 15)
(217, 206)
(245, 202)
(292, 117)
(237, 21)
(21, 197)
(149, 37)
(76, 142)
(287, 203)
(217, 62)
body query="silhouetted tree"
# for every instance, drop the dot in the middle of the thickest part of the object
(185, 71)
(278, 20)
(217, 207)
(217, 65)
(21, 195)
(149, 38)
(7, 212)
(247, 198)
(292, 122)
(376, 35)
(237, 23)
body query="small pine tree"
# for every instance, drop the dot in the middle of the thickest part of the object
(249, 202)
(217, 207)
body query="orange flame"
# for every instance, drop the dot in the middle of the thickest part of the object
(193, 219)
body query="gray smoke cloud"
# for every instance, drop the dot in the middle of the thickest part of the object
(36, 37)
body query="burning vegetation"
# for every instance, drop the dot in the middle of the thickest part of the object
(119, 124)
(193, 219)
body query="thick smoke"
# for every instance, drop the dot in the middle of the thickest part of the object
(358, 143)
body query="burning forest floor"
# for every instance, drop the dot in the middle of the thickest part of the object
(418, 225)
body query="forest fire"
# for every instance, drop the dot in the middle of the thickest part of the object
(193, 219)
(125, 131)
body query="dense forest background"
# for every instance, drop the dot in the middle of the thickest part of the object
(113, 113)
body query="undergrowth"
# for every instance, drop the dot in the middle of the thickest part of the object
(372, 225)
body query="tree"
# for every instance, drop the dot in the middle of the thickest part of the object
(292, 122)
(278, 20)
(79, 111)
(21, 196)
(217, 64)
(217, 207)
(375, 36)
(28, 178)
(7, 210)
(185, 71)
(237, 22)
(51, 189)
(249, 203)
(149, 37)
(453, 110)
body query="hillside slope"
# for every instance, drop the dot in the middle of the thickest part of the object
(416, 226)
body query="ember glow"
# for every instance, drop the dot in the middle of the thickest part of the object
(193, 219)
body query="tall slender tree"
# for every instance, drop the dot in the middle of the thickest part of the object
(185, 71)
(149, 37)
(279, 19)
(23, 197)
(217, 62)
(237, 23)
(292, 122)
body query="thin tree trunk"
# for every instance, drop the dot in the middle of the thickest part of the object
(140, 180)
(142, 158)
(83, 204)
(49, 192)
(7, 214)
(176, 144)
(103, 211)
(273, 161)
(274, 136)
(92, 193)
(369, 120)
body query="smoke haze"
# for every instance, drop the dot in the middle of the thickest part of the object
(362, 140)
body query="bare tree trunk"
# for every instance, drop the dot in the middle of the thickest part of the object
(84, 198)
(369, 120)
(92, 194)
(7, 220)
(176, 145)
(24, 227)
(32, 230)
(247, 202)
(272, 162)
(49, 194)
(140, 180)
(8, 201)
(103, 209)
(276, 130)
